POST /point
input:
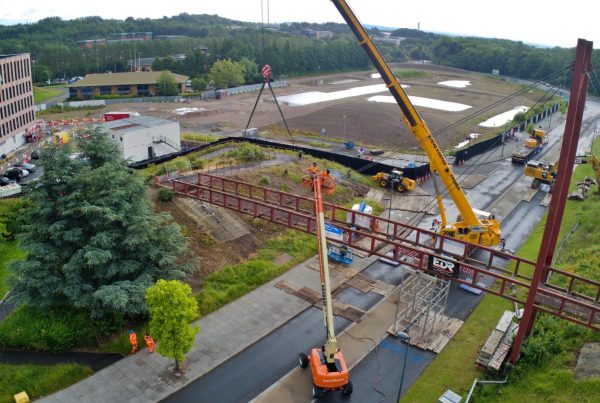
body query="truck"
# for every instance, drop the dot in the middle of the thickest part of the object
(395, 179)
(531, 147)
(110, 116)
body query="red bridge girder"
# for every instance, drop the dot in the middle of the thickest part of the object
(569, 296)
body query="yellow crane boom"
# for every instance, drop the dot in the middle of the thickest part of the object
(471, 228)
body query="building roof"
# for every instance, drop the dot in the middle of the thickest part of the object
(135, 123)
(134, 78)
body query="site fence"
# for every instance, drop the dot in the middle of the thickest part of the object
(485, 146)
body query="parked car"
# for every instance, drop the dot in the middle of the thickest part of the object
(5, 181)
(16, 173)
(25, 165)
(35, 155)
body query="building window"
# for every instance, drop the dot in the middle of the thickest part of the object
(143, 89)
(73, 92)
(105, 90)
(121, 138)
(123, 90)
(86, 91)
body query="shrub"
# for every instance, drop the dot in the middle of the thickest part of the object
(165, 195)
(263, 181)
(53, 329)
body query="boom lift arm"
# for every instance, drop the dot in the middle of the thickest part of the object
(327, 363)
(471, 229)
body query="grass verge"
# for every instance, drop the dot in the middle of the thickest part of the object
(9, 251)
(38, 380)
(454, 368)
(232, 282)
(42, 94)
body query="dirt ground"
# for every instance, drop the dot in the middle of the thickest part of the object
(370, 123)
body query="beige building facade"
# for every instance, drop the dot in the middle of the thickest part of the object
(17, 110)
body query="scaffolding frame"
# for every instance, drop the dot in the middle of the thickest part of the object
(421, 302)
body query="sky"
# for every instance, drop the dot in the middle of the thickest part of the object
(530, 21)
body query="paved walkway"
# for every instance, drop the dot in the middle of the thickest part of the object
(146, 377)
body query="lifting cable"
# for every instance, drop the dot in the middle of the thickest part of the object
(432, 203)
(266, 74)
(475, 114)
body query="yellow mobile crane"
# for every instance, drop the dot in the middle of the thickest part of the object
(469, 228)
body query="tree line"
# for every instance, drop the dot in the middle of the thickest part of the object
(51, 43)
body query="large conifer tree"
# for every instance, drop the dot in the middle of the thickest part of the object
(92, 239)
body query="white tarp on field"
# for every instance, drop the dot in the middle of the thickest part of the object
(503, 118)
(424, 102)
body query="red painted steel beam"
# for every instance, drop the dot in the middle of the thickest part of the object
(413, 256)
(583, 63)
(422, 236)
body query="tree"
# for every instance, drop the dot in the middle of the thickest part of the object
(92, 239)
(251, 73)
(166, 84)
(199, 84)
(226, 73)
(172, 307)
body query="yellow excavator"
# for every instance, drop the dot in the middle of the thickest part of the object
(480, 230)
(545, 173)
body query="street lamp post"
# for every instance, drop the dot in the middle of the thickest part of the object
(344, 123)
(392, 186)
(405, 338)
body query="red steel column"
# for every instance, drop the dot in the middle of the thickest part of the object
(583, 63)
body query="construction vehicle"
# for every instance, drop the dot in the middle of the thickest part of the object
(545, 173)
(469, 227)
(531, 147)
(327, 363)
(396, 179)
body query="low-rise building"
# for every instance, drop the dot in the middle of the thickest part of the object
(141, 83)
(144, 137)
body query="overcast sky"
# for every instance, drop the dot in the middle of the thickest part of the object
(530, 21)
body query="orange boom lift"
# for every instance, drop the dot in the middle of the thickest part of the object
(327, 363)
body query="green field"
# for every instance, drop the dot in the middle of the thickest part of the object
(42, 94)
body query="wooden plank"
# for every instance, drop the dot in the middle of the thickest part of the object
(308, 294)
(352, 313)
(491, 344)
(499, 356)
(282, 285)
(360, 285)
(504, 322)
(546, 200)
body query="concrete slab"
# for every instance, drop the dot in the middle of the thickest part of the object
(588, 364)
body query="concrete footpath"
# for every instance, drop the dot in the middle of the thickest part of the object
(147, 377)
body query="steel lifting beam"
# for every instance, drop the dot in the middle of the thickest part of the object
(489, 266)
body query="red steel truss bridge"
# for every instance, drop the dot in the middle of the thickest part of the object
(565, 295)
